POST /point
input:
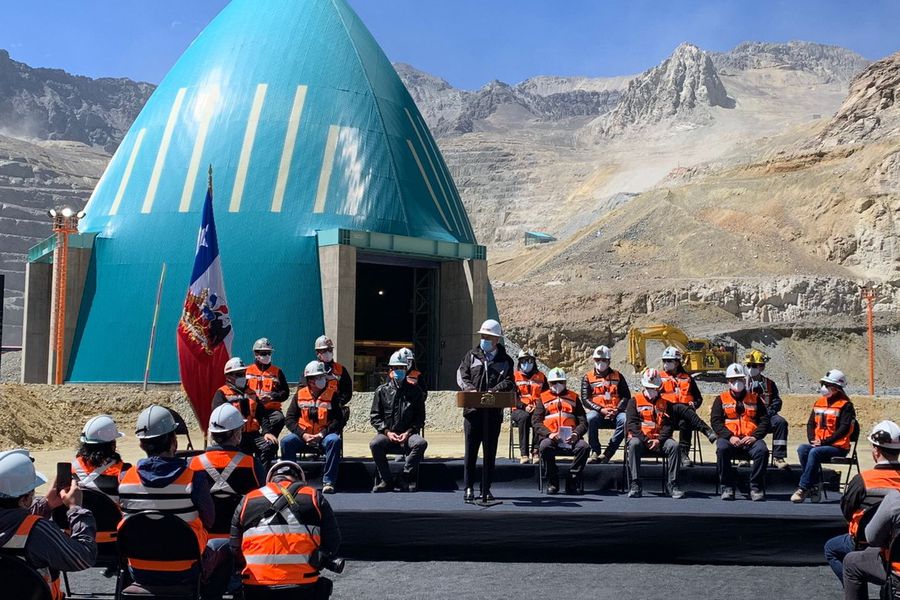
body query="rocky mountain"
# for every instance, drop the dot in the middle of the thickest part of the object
(830, 63)
(50, 104)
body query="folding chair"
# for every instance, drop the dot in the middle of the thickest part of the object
(513, 440)
(850, 461)
(151, 536)
(696, 448)
(107, 515)
(21, 581)
(655, 454)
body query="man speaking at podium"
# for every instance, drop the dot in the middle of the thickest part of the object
(485, 368)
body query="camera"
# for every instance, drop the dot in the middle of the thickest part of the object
(320, 560)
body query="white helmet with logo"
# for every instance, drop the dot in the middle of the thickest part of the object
(735, 371)
(602, 353)
(650, 379)
(100, 430)
(155, 421)
(491, 327)
(397, 360)
(262, 345)
(835, 377)
(886, 435)
(225, 418)
(671, 353)
(234, 365)
(323, 342)
(556, 374)
(314, 368)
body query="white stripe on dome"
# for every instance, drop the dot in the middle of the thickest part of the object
(433, 170)
(163, 150)
(327, 165)
(287, 153)
(127, 174)
(247, 147)
(205, 105)
(427, 183)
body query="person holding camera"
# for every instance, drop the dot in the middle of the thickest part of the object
(283, 535)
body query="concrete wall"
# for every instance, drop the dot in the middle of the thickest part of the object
(36, 322)
(463, 307)
(337, 266)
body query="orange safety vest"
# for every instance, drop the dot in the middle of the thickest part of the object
(337, 370)
(676, 388)
(651, 413)
(604, 389)
(560, 410)
(264, 382)
(827, 416)
(174, 498)
(277, 548)
(529, 388)
(103, 479)
(233, 475)
(16, 545)
(314, 412)
(741, 423)
(234, 397)
(878, 483)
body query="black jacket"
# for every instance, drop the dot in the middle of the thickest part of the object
(398, 409)
(717, 419)
(624, 393)
(476, 373)
(537, 419)
(633, 422)
(335, 417)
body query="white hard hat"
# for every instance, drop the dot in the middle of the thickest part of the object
(650, 379)
(556, 374)
(17, 474)
(225, 418)
(397, 360)
(671, 353)
(286, 467)
(155, 421)
(491, 327)
(262, 345)
(886, 435)
(406, 354)
(314, 368)
(735, 371)
(100, 430)
(525, 353)
(323, 342)
(835, 377)
(235, 364)
(602, 352)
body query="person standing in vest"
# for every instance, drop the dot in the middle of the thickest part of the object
(740, 420)
(282, 535)
(560, 423)
(26, 530)
(337, 375)
(398, 415)
(757, 383)
(486, 368)
(163, 482)
(678, 387)
(649, 426)
(229, 472)
(256, 439)
(269, 384)
(863, 496)
(315, 419)
(828, 430)
(530, 384)
(97, 465)
(413, 375)
(605, 394)
(866, 566)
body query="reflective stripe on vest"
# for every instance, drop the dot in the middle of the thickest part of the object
(878, 483)
(529, 388)
(16, 544)
(220, 480)
(560, 410)
(264, 382)
(676, 388)
(604, 389)
(651, 414)
(234, 397)
(307, 405)
(826, 420)
(89, 478)
(740, 423)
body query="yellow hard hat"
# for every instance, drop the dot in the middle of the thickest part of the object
(755, 357)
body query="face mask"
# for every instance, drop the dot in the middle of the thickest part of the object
(651, 393)
(486, 345)
(327, 357)
(240, 382)
(399, 375)
(737, 385)
(264, 359)
(601, 365)
(558, 388)
(320, 383)
(826, 391)
(526, 366)
(670, 367)
(753, 371)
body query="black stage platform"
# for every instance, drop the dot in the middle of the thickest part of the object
(600, 526)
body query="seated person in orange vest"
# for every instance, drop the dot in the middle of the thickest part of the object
(97, 465)
(755, 363)
(27, 531)
(828, 430)
(866, 566)
(863, 495)
(339, 380)
(649, 427)
(283, 535)
(257, 439)
(229, 472)
(605, 394)
(560, 422)
(269, 383)
(678, 387)
(315, 420)
(530, 384)
(740, 419)
(164, 483)
(398, 415)
(413, 374)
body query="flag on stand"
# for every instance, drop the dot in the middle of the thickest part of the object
(204, 331)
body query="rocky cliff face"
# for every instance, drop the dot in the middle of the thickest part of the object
(51, 104)
(829, 63)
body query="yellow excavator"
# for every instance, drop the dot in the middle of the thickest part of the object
(700, 355)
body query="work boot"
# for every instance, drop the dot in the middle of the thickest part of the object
(328, 488)
(676, 492)
(535, 458)
(552, 486)
(711, 436)
(594, 457)
(401, 484)
(799, 496)
(686, 459)
(573, 486)
(382, 486)
(607, 456)
(782, 464)
(635, 490)
(728, 493)
(757, 494)
(488, 496)
(524, 460)
(469, 496)
(815, 493)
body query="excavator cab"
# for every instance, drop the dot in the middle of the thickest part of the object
(699, 355)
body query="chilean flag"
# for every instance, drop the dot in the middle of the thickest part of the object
(204, 331)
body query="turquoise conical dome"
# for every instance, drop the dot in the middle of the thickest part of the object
(308, 128)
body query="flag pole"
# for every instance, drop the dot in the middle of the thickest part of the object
(162, 277)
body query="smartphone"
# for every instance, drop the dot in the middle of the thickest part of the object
(63, 475)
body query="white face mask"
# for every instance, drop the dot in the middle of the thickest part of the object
(558, 388)
(737, 385)
(327, 357)
(320, 383)
(651, 393)
(526, 366)
(264, 359)
(826, 391)
(753, 371)
(601, 365)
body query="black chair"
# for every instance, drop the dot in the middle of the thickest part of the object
(107, 514)
(850, 461)
(513, 439)
(160, 538)
(225, 505)
(658, 455)
(697, 448)
(21, 581)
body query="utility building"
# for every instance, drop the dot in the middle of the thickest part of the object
(334, 208)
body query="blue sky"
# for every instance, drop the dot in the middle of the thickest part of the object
(467, 42)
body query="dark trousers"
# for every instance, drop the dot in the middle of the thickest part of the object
(836, 549)
(860, 569)
(638, 448)
(549, 450)
(275, 419)
(759, 457)
(778, 427)
(414, 447)
(522, 419)
(477, 436)
(687, 421)
(254, 444)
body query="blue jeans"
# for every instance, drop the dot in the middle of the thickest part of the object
(811, 457)
(835, 550)
(333, 445)
(597, 422)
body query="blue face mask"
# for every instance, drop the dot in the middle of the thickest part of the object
(399, 375)
(527, 366)
(487, 345)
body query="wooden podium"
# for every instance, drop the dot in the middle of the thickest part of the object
(499, 400)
